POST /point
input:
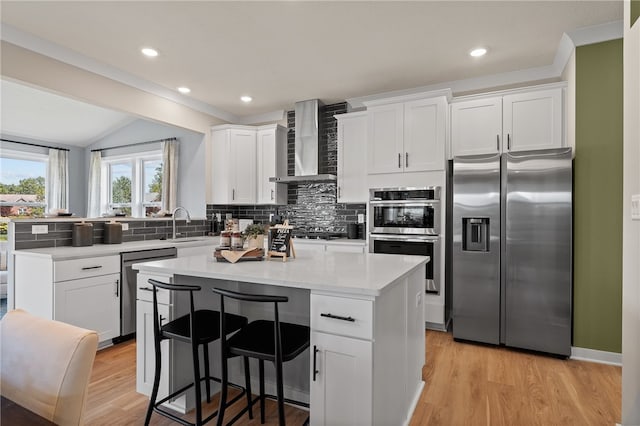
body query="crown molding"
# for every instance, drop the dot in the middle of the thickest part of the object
(597, 33)
(466, 85)
(47, 48)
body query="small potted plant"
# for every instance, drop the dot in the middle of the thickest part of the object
(254, 234)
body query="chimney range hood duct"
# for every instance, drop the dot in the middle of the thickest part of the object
(307, 134)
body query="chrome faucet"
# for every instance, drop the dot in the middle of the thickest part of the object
(173, 217)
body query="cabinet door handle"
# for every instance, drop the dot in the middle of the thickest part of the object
(86, 268)
(117, 288)
(339, 192)
(315, 356)
(338, 317)
(497, 142)
(399, 160)
(272, 194)
(233, 194)
(508, 142)
(147, 289)
(406, 159)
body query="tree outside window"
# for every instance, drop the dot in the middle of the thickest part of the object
(22, 187)
(135, 184)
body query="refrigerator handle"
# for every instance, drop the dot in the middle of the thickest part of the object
(498, 143)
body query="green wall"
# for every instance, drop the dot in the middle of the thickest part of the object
(598, 198)
(635, 11)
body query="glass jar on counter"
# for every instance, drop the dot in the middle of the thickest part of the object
(236, 240)
(225, 239)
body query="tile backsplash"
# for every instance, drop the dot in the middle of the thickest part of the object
(60, 233)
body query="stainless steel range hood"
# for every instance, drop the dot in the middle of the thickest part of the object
(307, 134)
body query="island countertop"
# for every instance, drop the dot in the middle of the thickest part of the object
(346, 273)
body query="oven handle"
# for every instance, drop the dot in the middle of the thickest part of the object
(412, 203)
(402, 238)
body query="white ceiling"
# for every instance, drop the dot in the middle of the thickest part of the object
(282, 52)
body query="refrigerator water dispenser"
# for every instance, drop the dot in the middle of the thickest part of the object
(475, 231)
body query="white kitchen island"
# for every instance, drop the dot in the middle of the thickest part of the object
(365, 372)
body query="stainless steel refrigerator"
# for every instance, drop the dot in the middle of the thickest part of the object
(512, 250)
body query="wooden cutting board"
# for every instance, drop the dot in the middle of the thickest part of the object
(234, 256)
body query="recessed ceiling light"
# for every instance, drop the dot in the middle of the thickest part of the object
(184, 90)
(480, 51)
(147, 51)
(246, 98)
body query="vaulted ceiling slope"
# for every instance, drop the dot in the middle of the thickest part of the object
(29, 113)
(282, 52)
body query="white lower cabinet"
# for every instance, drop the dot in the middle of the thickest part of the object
(92, 303)
(341, 386)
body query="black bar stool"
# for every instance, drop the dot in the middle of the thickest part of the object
(273, 341)
(198, 327)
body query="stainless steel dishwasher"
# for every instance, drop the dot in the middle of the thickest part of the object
(128, 278)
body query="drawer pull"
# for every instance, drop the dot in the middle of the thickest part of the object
(338, 317)
(86, 268)
(147, 289)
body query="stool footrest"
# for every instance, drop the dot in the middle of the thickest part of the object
(257, 399)
(161, 411)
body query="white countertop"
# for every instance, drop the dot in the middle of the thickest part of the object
(69, 252)
(345, 273)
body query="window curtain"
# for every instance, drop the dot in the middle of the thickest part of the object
(58, 180)
(93, 199)
(169, 174)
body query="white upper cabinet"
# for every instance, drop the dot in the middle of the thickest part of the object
(386, 132)
(243, 166)
(528, 119)
(272, 161)
(408, 136)
(243, 158)
(533, 120)
(424, 134)
(352, 148)
(476, 126)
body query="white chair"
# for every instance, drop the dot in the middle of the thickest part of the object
(46, 366)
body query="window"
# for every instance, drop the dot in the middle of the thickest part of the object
(22, 184)
(134, 183)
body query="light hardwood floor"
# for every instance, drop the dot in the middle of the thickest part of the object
(471, 384)
(466, 384)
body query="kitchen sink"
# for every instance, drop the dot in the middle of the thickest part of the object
(183, 240)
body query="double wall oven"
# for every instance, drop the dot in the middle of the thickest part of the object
(407, 221)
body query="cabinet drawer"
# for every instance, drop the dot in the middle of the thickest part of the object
(145, 293)
(65, 270)
(341, 315)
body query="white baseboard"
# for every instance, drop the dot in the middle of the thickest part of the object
(435, 326)
(594, 355)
